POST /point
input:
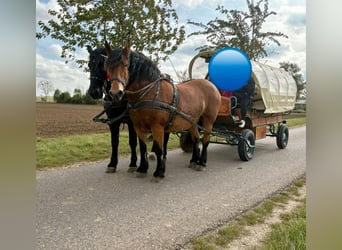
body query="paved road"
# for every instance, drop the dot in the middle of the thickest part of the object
(84, 208)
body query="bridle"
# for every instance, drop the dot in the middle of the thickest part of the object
(99, 77)
(122, 82)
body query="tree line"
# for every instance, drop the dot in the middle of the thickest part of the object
(76, 98)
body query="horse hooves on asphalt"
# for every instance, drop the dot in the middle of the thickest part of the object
(111, 170)
(157, 179)
(131, 169)
(141, 175)
(199, 168)
(192, 165)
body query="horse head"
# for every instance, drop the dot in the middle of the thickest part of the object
(98, 76)
(116, 66)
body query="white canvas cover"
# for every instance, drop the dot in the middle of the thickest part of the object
(275, 89)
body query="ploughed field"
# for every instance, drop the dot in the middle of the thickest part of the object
(56, 119)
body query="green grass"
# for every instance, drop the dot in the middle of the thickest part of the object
(53, 152)
(289, 234)
(49, 99)
(296, 121)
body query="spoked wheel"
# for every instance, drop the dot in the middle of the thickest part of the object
(186, 142)
(282, 136)
(246, 145)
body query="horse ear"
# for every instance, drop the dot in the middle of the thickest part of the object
(108, 48)
(127, 48)
(89, 48)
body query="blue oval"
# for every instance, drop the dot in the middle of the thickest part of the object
(229, 69)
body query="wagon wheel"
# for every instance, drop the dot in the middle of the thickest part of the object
(186, 142)
(282, 136)
(246, 145)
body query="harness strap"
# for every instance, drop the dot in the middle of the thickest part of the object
(175, 101)
(164, 106)
(109, 121)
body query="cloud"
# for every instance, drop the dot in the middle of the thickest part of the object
(65, 77)
(42, 9)
(290, 19)
(188, 3)
(55, 49)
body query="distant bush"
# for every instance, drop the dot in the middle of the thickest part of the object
(77, 98)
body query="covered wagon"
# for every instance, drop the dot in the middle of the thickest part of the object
(274, 95)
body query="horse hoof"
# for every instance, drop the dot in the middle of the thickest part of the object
(131, 169)
(192, 165)
(141, 175)
(157, 179)
(199, 168)
(111, 170)
(152, 156)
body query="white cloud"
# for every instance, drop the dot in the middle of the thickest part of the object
(42, 9)
(65, 77)
(290, 20)
(55, 49)
(188, 3)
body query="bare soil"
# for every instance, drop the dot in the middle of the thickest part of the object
(56, 119)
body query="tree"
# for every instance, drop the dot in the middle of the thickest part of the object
(294, 70)
(64, 97)
(77, 96)
(56, 95)
(151, 26)
(46, 87)
(240, 30)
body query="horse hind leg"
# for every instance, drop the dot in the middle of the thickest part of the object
(157, 148)
(143, 167)
(195, 137)
(205, 143)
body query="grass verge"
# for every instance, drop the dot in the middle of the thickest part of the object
(61, 151)
(54, 152)
(290, 233)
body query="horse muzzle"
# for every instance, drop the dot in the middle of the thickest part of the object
(117, 95)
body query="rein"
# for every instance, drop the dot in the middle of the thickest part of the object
(98, 118)
(143, 91)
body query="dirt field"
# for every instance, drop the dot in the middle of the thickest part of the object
(53, 120)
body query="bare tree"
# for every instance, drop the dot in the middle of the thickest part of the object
(46, 87)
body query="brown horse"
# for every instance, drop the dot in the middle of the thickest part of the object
(158, 105)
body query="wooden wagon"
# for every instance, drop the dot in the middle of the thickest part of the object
(274, 95)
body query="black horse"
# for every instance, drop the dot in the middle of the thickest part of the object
(99, 85)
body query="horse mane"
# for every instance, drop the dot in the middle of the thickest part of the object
(98, 54)
(141, 68)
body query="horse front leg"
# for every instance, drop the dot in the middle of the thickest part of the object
(114, 134)
(133, 145)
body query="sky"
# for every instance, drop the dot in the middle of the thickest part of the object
(290, 20)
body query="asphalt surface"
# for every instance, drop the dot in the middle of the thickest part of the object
(82, 207)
